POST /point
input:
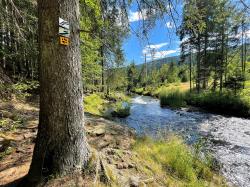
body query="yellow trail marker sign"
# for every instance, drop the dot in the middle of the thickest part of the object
(64, 40)
(64, 32)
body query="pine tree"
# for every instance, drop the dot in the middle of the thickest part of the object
(61, 146)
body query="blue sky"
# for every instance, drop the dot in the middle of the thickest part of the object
(162, 39)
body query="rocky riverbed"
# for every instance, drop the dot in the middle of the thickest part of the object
(230, 143)
(228, 138)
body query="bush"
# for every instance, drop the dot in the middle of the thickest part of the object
(138, 90)
(117, 96)
(22, 89)
(172, 98)
(121, 109)
(147, 91)
(5, 91)
(25, 89)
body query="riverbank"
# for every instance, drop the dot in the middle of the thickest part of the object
(177, 95)
(226, 138)
(118, 156)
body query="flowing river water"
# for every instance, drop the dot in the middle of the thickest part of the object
(228, 138)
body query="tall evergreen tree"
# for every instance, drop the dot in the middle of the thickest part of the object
(61, 146)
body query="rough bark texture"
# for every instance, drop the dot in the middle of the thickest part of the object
(198, 79)
(190, 68)
(61, 146)
(222, 57)
(102, 63)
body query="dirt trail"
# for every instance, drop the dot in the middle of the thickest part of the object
(111, 161)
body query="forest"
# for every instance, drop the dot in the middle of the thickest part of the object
(80, 107)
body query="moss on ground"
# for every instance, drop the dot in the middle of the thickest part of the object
(94, 104)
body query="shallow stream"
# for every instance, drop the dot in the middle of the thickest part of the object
(228, 137)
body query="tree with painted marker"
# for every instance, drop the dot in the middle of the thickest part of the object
(61, 146)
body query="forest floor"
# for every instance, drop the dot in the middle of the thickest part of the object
(114, 162)
(109, 142)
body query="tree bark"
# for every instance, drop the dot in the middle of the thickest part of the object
(61, 146)
(243, 55)
(198, 81)
(190, 68)
(205, 65)
(222, 58)
(102, 64)
(1, 33)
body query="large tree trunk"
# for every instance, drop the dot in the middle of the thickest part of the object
(61, 146)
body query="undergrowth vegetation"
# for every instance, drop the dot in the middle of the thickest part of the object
(121, 109)
(115, 104)
(94, 104)
(21, 89)
(173, 98)
(5, 152)
(224, 103)
(177, 95)
(175, 163)
(155, 90)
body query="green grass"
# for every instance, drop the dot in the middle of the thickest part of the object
(172, 98)
(155, 90)
(224, 103)
(247, 84)
(173, 162)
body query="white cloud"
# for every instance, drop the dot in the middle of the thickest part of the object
(157, 46)
(153, 47)
(137, 16)
(170, 25)
(161, 54)
(153, 51)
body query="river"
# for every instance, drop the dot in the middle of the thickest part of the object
(228, 138)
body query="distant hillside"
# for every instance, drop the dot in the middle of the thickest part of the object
(159, 62)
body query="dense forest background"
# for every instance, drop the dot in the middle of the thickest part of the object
(214, 47)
